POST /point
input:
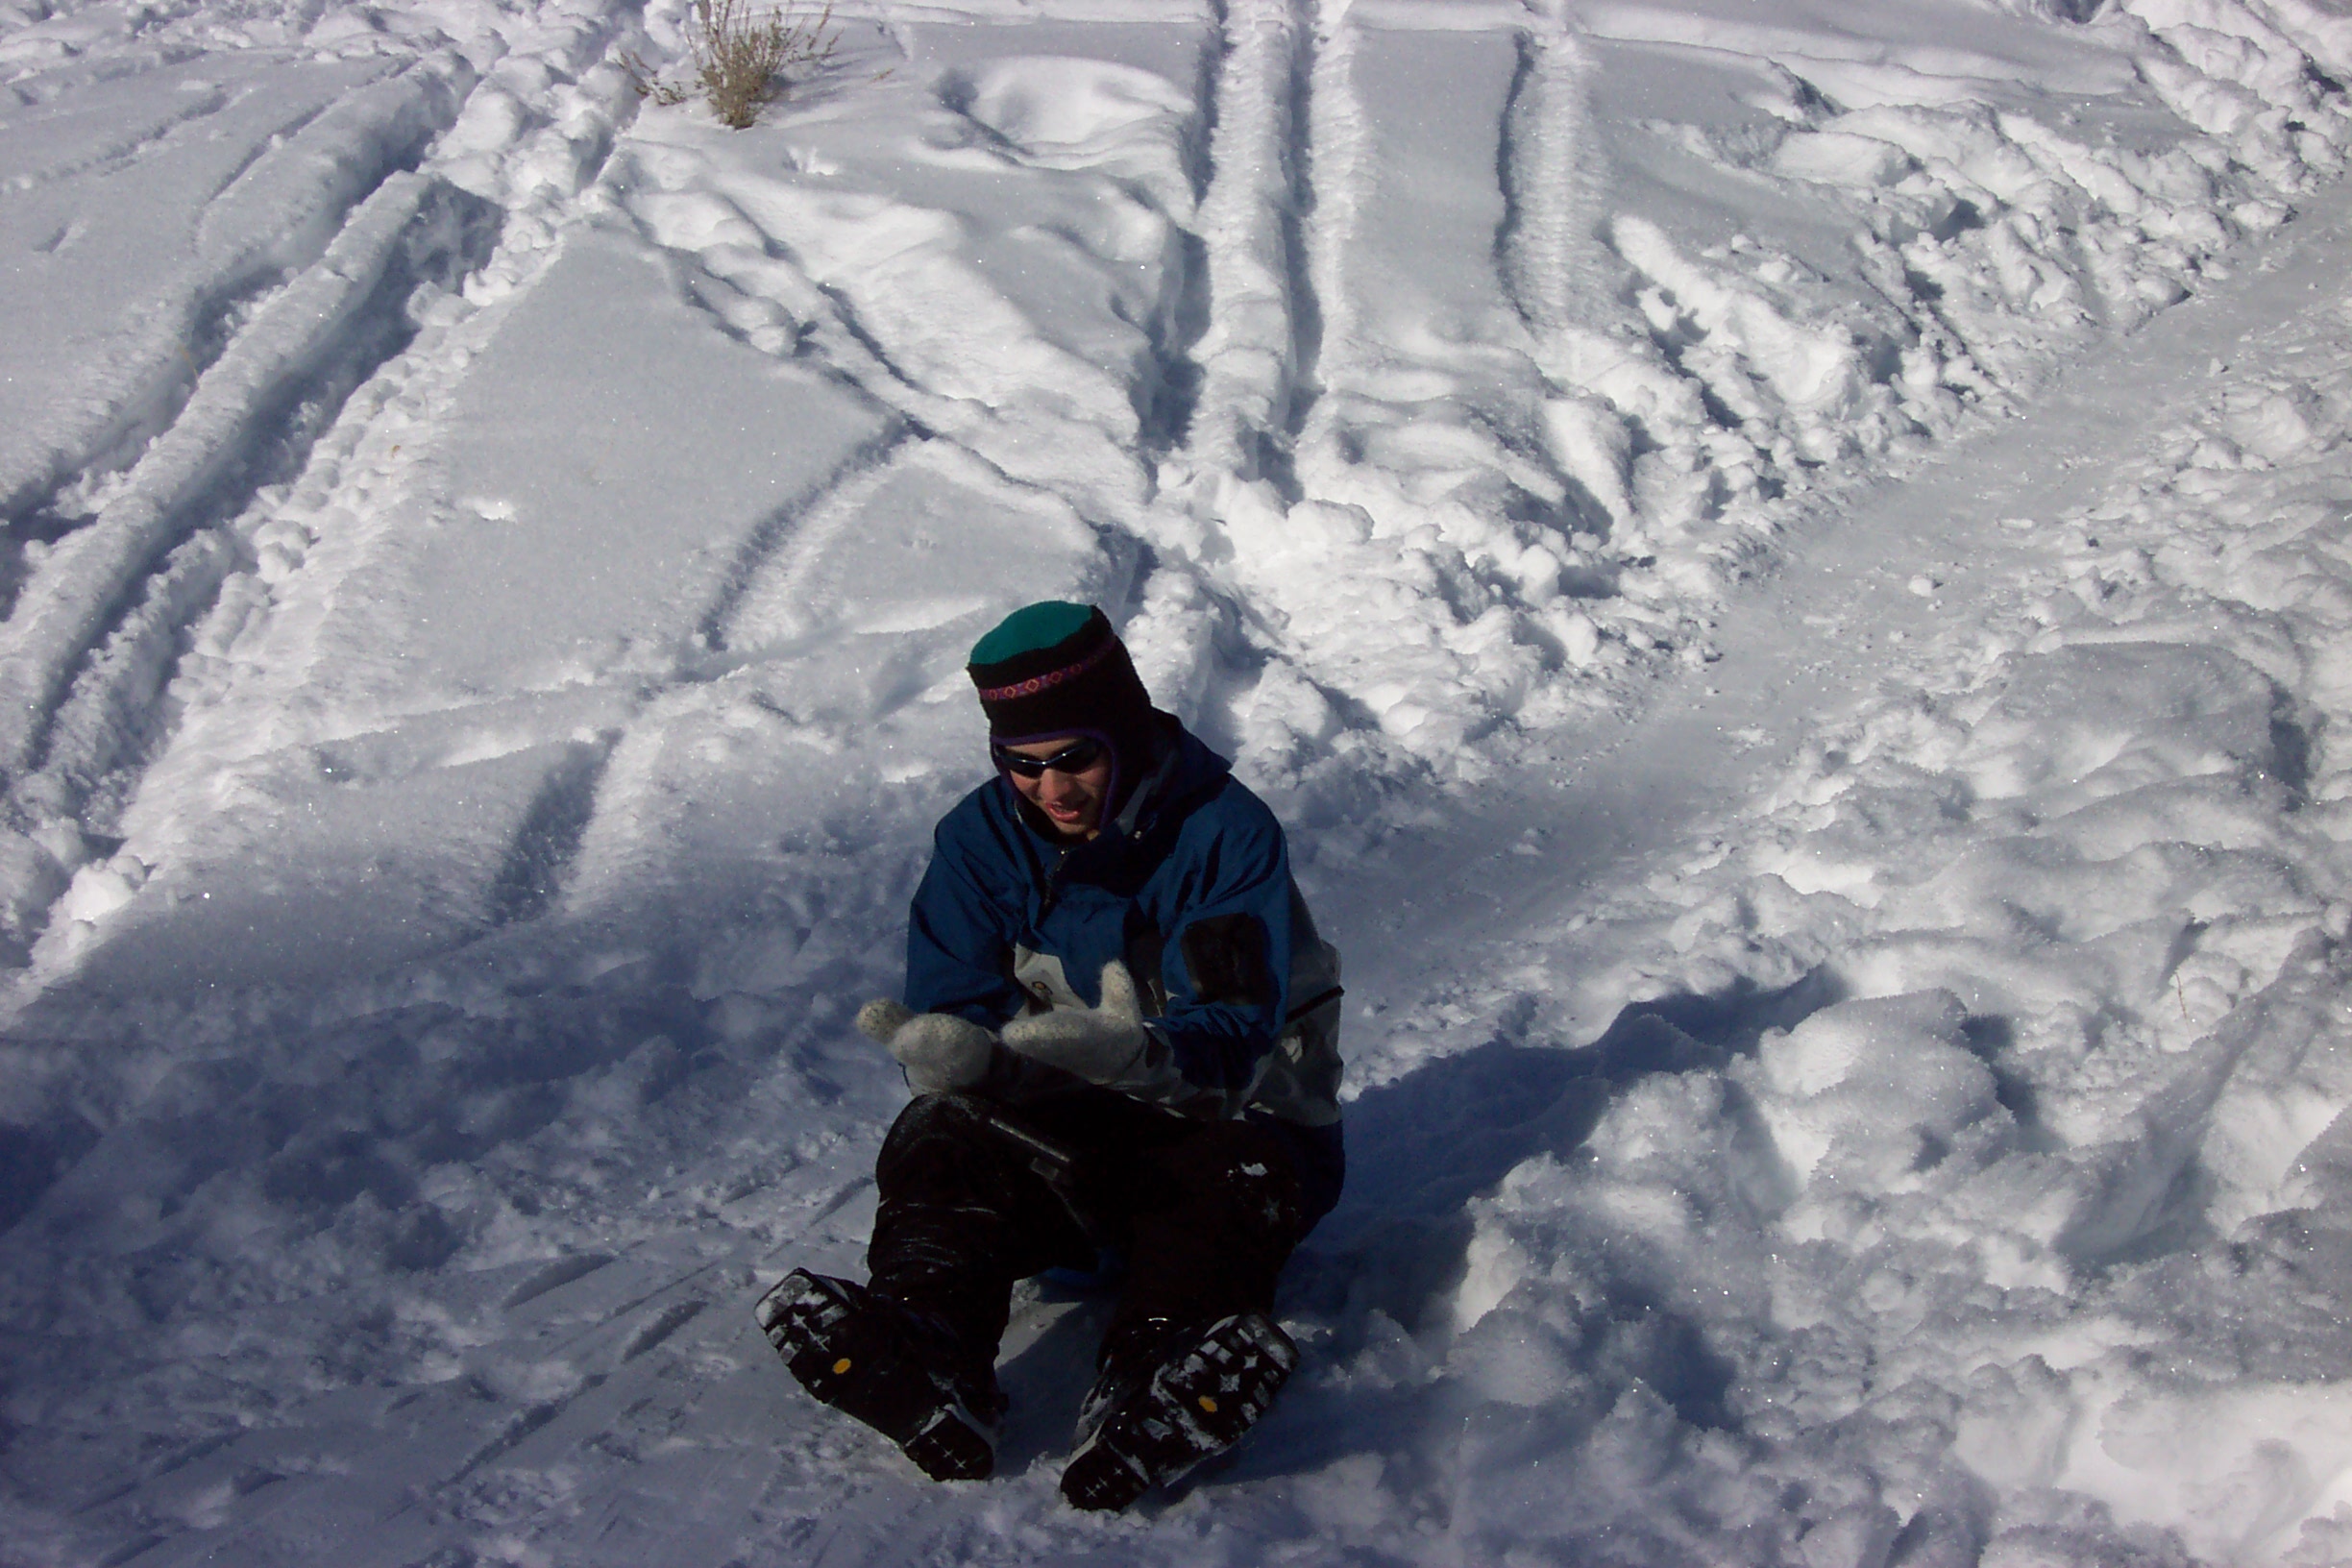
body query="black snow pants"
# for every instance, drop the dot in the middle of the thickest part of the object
(1206, 1213)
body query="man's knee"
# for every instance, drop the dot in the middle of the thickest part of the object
(1243, 1174)
(940, 1150)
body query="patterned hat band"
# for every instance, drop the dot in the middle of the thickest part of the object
(1047, 681)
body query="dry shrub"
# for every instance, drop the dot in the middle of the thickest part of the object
(739, 56)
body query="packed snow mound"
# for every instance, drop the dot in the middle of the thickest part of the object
(1846, 983)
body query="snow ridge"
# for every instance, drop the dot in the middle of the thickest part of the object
(1255, 347)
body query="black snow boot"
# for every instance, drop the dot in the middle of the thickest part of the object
(1149, 1419)
(870, 1358)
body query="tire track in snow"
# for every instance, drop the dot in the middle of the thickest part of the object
(549, 840)
(84, 661)
(615, 844)
(1330, 177)
(751, 296)
(1324, 564)
(84, 576)
(766, 298)
(196, 540)
(83, 579)
(791, 543)
(1551, 263)
(1251, 366)
(1567, 517)
(1253, 360)
(1398, 554)
(315, 166)
(1538, 167)
(760, 297)
(174, 119)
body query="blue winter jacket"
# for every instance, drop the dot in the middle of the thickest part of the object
(1191, 887)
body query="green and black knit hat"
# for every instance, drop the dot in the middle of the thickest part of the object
(1058, 669)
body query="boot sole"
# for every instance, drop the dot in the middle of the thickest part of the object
(1196, 1406)
(851, 1358)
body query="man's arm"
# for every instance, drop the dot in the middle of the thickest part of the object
(1226, 962)
(959, 934)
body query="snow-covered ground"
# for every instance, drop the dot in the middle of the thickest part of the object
(1789, 563)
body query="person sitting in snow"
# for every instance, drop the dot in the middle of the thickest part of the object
(1121, 1029)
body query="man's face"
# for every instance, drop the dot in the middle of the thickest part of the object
(1073, 801)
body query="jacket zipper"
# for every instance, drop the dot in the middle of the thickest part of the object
(1049, 889)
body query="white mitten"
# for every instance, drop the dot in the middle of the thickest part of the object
(941, 1052)
(1102, 1044)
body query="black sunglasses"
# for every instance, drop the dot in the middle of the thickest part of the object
(1074, 758)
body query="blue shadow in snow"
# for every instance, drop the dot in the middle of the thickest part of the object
(1421, 1148)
